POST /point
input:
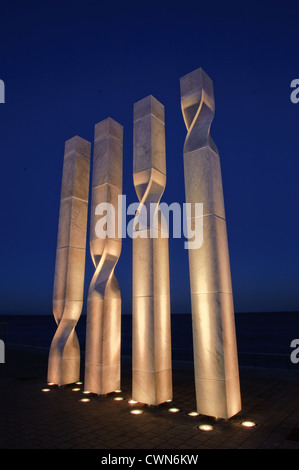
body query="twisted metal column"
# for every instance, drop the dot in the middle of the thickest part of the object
(64, 356)
(152, 373)
(214, 337)
(103, 329)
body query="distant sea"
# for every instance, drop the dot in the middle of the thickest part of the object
(262, 338)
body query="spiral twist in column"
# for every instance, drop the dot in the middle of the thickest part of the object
(64, 356)
(103, 329)
(152, 374)
(214, 337)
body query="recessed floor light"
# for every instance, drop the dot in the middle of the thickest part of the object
(51, 383)
(205, 427)
(132, 402)
(168, 401)
(117, 391)
(85, 400)
(173, 410)
(136, 412)
(45, 390)
(76, 389)
(86, 392)
(193, 413)
(118, 398)
(79, 383)
(248, 424)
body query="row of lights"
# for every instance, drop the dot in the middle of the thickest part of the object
(131, 402)
(201, 427)
(86, 392)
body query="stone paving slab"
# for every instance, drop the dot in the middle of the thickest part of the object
(32, 419)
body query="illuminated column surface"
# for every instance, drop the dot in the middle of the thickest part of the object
(103, 329)
(64, 356)
(151, 348)
(214, 337)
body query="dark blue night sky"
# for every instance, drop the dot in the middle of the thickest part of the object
(69, 64)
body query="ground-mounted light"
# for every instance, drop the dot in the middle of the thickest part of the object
(79, 383)
(46, 390)
(76, 389)
(50, 384)
(86, 392)
(85, 400)
(205, 427)
(193, 413)
(136, 412)
(248, 424)
(117, 391)
(173, 410)
(168, 401)
(118, 398)
(132, 402)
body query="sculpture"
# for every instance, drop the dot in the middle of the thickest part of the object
(214, 337)
(103, 328)
(151, 346)
(64, 356)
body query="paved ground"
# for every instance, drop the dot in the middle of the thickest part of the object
(32, 419)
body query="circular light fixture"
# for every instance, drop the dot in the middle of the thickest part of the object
(51, 383)
(86, 392)
(132, 402)
(76, 389)
(136, 412)
(118, 398)
(193, 413)
(248, 424)
(205, 427)
(79, 383)
(173, 410)
(45, 390)
(117, 391)
(85, 400)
